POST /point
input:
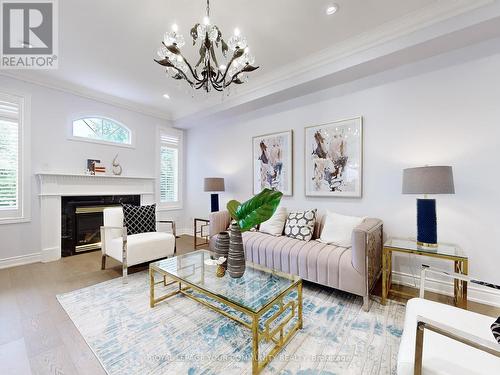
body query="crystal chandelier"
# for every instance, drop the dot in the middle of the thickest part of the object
(207, 73)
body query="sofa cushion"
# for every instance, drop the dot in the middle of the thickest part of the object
(312, 260)
(338, 229)
(300, 224)
(276, 223)
(139, 219)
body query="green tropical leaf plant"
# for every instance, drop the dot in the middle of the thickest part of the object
(256, 210)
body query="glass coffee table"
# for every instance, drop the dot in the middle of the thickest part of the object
(267, 302)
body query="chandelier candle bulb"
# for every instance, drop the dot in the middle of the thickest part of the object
(236, 32)
(332, 9)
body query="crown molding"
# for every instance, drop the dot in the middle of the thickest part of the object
(320, 63)
(91, 94)
(293, 74)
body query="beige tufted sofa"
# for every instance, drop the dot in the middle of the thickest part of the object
(354, 269)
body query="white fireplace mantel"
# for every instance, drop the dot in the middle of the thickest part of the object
(54, 185)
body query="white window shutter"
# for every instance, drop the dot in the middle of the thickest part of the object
(170, 168)
(9, 154)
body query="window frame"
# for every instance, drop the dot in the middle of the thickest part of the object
(22, 213)
(72, 137)
(179, 204)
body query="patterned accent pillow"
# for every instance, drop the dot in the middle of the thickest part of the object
(300, 225)
(139, 219)
(495, 328)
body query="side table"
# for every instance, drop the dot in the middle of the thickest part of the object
(200, 226)
(442, 251)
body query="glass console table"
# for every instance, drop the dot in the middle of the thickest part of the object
(442, 251)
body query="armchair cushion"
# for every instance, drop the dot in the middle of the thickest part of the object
(142, 247)
(442, 355)
(139, 219)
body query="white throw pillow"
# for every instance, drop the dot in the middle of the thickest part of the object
(276, 223)
(338, 229)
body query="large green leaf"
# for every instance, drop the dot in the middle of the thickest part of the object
(257, 209)
(232, 206)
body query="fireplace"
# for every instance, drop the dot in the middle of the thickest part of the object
(81, 219)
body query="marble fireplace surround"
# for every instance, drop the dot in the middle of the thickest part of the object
(53, 186)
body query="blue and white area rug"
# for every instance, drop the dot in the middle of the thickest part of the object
(180, 336)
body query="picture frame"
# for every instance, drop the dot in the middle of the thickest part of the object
(272, 161)
(333, 159)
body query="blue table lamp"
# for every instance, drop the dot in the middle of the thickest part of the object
(427, 180)
(213, 185)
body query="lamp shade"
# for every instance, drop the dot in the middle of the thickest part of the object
(213, 184)
(428, 180)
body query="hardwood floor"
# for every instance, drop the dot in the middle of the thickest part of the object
(36, 335)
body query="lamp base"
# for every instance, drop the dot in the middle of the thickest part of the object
(423, 244)
(426, 222)
(214, 202)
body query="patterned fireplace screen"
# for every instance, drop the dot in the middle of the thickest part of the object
(82, 219)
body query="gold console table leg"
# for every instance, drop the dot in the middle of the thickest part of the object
(460, 286)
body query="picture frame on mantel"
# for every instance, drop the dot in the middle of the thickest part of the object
(272, 161)
(334, 159)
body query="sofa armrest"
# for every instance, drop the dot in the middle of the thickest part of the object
(367, 242)
(219, 222)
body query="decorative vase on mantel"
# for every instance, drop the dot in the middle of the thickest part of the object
(236, 256)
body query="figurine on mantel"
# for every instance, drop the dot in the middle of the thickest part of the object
(117, 168)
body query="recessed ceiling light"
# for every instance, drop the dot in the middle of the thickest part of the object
(332, 9)
(166, 96)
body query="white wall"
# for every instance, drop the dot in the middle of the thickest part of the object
(434, 112)
(51, 114)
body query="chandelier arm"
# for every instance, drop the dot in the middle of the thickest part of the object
(193, 72)
(229, 65)
(233, 78)
(184, 75)
(187, 63)
(200, 83)
(215, 84)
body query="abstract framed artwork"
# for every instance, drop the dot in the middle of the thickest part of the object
(272, 162)
(334, 159)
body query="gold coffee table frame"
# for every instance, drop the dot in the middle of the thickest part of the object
(275, 334)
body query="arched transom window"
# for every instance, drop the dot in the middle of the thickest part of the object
(101, 129)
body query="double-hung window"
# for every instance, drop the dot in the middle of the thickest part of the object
(14, 154)
(170, 171)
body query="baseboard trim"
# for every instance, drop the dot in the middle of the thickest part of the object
(51, 254)
(20, 260)
(483, 295)
(184, 231)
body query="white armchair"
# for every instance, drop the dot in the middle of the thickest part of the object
(136, 248)
(444, 339)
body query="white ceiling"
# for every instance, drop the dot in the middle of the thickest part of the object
(107, 47)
